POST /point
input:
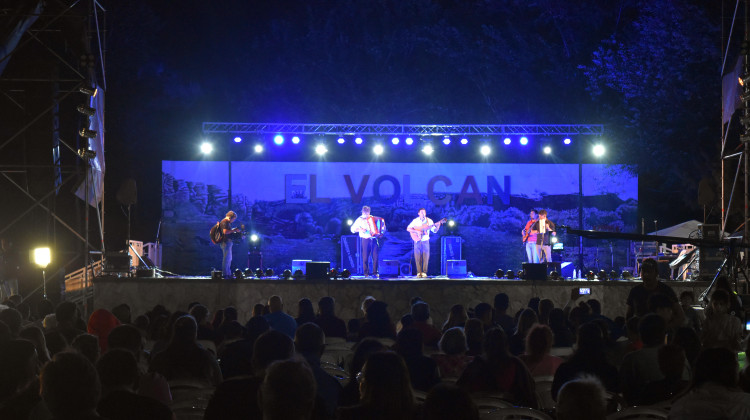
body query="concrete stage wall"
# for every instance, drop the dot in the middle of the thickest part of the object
(176, 293)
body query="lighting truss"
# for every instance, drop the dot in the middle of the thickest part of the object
(405, 129)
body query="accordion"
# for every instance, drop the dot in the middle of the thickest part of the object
(376, 226)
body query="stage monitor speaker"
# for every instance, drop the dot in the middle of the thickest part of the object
(405, 269)
(317, 270)
(116, 262)
(450, 249)
(456, 268)
(300, 265)
(533, 271)
(254, 260)
(216, 275)
(388, 268)
(145, 272)
(351, 254)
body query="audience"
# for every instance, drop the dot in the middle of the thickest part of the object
(564, 337)
(423, 370)
(517, 341)
(474, 336)
(377, 322)
(457, 317)
(70, 387)
(309, 343)
(305, 311)
(672, 364)
(362, 352)
(721, 328)
(288, 391)
(448, 401)
(537, 355)
(101, 322)
(327, 320)
(582, 398)
(278, 319)
(453, 359)
(420, 311)
(639, 295)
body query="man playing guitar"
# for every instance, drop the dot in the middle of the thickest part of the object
(545, 230)
(370, 228)
(226, 245)
(529, 238)
(420, 229)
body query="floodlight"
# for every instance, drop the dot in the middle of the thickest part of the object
(451, 223)
(409, 141)
(206, 148)
(238, 139)
(378, 149)
(447, 141)
(341, 140)
(485, 150)
(254, 237)
(524, 141)
(566, 141)
(358, 140)
(279, 139)
(42, 257)
(321, 149)
(349, 222)
(88, 90)
(258, 148)
(464, 140)
(547, 150)
(506, 141)
(395, 140)
(295, 139)
(89, 134)
(86, 110)
(427, 149)
(598, 150)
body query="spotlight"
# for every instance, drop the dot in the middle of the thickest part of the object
(287, 274)
(554, 275)
(612, 274)
(269, 272)
(279, 139)
(447, 141)
(598, 150)
(248, 273)
(206, 148)
(259, 272)
(485, 150)
(254, 237)
(258, 148)
(395, 140)
(358, 140)
(590, 276)
(86, 110)
(409, 141)
(500, 273)
(547, 150)
(333, 274)
(238, 274)
(295, 140)
(566, 141)
(602, 275)
(341, 140)
(89, 134)
(320, 149)
(510, 274)
(346, 273)
(553, 239)
(464, 141)
(524, 141)
(88, 90)
(626, 275)
(349, 222)
(520, 274)
(378, 149)
(238, 139)
(298, 274)
(451, 223)
(506, 141)
(87, 154)
(42, 257)
(427, 149)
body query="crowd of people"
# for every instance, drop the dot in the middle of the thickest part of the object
(116, 365)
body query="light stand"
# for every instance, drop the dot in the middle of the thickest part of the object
(42, 258)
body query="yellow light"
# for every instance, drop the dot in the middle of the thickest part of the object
(42, 257)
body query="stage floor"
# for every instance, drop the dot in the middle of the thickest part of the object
(142, 293)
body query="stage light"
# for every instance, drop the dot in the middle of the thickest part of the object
(500, 273)
(258, 148)
(506, 141)
(554, 275)
(269, 272)
(86, 154)
(341, 140)
(345, 273)
(321, 149)
(286, 274)
(248, 273)
(238, 139)
(88, 90)
(298, 274)
(485, 150)
(378, 149)
(566, 141)
(547, 150)
(447, 141)
(744, 80)
(510, 274)
(524, 141)
(602, 275)
(612, 274)
(409, 141)
(626, 275)
(358, 140)
(395, 140)
(238, 274)
(295, 140)
(427, 149)
(464, 141)
(254, 237)
(86, 110)
(278, 139)
(349, 222)
(553, 239)
(207, 148)
(89, 134)
(451, 223)
(42, 257)
(259, 272)
(333, 273)
(598, 150)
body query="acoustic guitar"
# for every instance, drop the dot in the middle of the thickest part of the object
(417, 236)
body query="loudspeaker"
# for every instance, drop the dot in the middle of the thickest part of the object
(351, 254)
(455, 268)
(116, 262)
(405, 269)
(535, 271)
(317, 270)
(450, 249)
(145, 272)
(128, 193)
(254, 260)
(300, 265)
(216, 275)
(566, 269)
(388, 268)
(709, 258)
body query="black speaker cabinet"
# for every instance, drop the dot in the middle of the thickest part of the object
(317, 270)
(535, 271)
(116, 262)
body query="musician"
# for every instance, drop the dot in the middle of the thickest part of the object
(420, 229)
(529, 238)
(369, 229)
(226, 244)
(544, 230)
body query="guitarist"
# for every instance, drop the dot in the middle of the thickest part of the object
(420, 229)
(369, 228)
(529, 238)
(545, 230)
(226, 243)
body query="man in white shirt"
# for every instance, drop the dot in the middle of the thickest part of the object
(544, 230)
(420, 229)
(369, 229)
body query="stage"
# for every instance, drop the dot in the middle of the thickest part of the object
(177, 292)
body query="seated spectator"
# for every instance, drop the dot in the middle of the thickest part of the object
(353, 325)
(692, 318)
(582, 398)
(483, 312)
(537, 354)
(564, 337)
(501, 317)
(205, 329)
(497, 371)
(631, 344)
(236, 357)
(13, 319)
(378, 323)
(122, 313)
(453, 360)
(87, 345)
(19, 388)
(362, 352)
(118, 373)
(474, 336)
(420, 311)
(639, 295)
(66, 316)
(259, 309)
(70, 387)
(305, 311)
(721, 328)
(288, 391)
(228, 328)
(184, 359)
(36, 336)
(671, 364)
(735, 303)
(688, 339)
(406, 321)
(278, 319)
(664, 307)
(517, 341)
(447, 401)
(589, 358)
(327, 320)
(309, 342)
(713, 392)
(423, 370)
(101, 322)
(385, 388)
(545, 307)
(456, 317)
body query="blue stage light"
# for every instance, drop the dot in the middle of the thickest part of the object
(395, 140)
(278, 139)
(238, 139)
(358, 140)
(341, 140)
(524, 141)
(506, 141)
(566, 141)
(409, 141)
(295, 140)
(447, 141)
(464, 141)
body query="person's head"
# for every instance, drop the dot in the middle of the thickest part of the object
(117, 369)
(365, 211)
(539, 341)
(44, 308)
(70, 386)
(18, 364)
(305, 308)
(719, 301)
(377, 313)
(36, 336)
(271, 346)
(687, 298)
(420, 311)
(533, 214)
(362, 351)
(126, 337)
(632, 328)
(527, 319)
(545, 307)
(582, 398)
(671, 360)
(259, 309)
(122, 312)
(233, 330)
(66, 312)
(409, 342)
(483, 312)
(474, 331)
(366, 302)
(288, 391)
(661, 305)
(453, 341)
(385, 382)
(256, 326)
(542, 214)
(653, 330)
(185, 330)
(457, 316)
(717, 365)
(101, 322)
(200, 313)
(496, 345)
(275, 304)
(422, 213)
(309, 339)
(590, 338)
(231, 215)
(406, 321)
(595, 305)
(230, 314)
(689, 340)
(87, 345)
(649, 272)
(501, 302)
(557, 318)
(13, 319)
(326, 306)
(448, 401)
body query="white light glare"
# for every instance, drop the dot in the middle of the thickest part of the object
(238, 139)
(358, 140)
(258, 148)
(547, 150)
(278, 139)
(254, 238)
(427, 149)
(349, 222)
(524, 141)
(207, 148)
(395, 140)
(378, 149)
(321, 149)
(485, 150)
(409, 141)
(464, 140)
(295, 139)
(42, 257)
(341, 140)
(598, 150)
